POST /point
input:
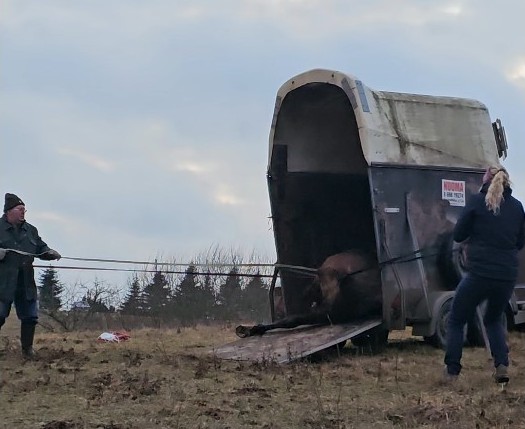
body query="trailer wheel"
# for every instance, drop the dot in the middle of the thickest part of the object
(439, 338)
(371, 342)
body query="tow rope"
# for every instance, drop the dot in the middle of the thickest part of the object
(412, 256)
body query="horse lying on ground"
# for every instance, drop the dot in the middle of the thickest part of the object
(347, 287)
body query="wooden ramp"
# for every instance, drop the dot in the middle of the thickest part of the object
(286, 345)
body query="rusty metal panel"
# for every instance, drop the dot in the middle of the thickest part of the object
(416, 209)
(286, 345)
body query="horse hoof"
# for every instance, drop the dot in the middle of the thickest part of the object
(242, 331)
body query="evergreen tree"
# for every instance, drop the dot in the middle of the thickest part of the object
(230, 296)
(207, 299)
(187, 299)
(157, 295)
(134, 301)
(255, 302)
(50, 290)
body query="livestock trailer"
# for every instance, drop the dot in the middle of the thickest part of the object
(351, 167)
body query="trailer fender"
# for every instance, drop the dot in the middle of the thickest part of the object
(436, 300)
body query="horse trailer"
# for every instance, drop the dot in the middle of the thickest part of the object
(352, 167)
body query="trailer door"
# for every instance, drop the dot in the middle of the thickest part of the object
(286, 345)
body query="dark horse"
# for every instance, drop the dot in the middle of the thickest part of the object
(347, 287)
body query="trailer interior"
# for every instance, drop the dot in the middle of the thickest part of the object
(318, 182)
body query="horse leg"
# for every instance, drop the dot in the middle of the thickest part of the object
(315, 317)
(244, 331)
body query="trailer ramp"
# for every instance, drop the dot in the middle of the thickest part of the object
(286, 345)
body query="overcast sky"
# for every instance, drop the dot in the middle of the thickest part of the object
(133, 129)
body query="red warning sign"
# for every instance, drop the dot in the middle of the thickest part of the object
(453, 191)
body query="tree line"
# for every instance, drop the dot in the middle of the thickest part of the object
(189, 298)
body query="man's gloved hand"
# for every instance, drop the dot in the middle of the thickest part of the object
(2, 254)
(53, 255)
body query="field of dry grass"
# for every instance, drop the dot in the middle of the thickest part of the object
(169, 379)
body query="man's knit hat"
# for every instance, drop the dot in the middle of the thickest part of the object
(11, 200)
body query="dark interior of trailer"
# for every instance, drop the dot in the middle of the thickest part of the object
(318, 183)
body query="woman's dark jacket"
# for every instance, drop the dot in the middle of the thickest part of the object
(493, 239)
(17, 270)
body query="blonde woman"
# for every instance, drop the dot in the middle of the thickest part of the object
(493, 223)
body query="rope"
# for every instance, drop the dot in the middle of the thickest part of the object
(412, 256)
(297, 269)
(171, 264)
(120, 261)
(409, 257)
(152, 271)
(21, 252)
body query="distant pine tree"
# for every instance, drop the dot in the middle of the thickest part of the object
(50, 290)
(157, 295)
(207, 299)
(134, 301)
(187, 298)
(255, 301)
(230, 296)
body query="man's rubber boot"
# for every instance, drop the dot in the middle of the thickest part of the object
(27, 334)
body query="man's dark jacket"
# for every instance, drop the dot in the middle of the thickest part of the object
(17, 270)
(493, 239)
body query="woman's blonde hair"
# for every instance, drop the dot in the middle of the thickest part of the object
(499, 180)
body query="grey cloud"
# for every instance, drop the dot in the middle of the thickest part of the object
(137, 84)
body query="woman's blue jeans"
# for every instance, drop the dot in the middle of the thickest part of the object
(471, 291)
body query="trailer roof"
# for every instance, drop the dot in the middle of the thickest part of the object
(409, 129)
